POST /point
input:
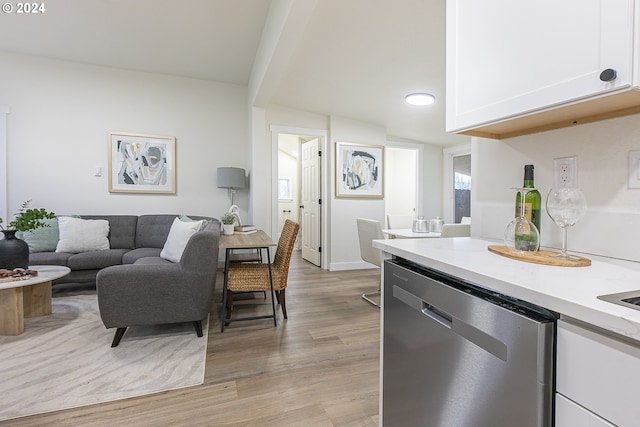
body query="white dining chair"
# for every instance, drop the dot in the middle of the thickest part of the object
(399, 221)
(368, 231)
(465, 220)
(456, 230)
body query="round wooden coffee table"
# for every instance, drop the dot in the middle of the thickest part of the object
(22, 299)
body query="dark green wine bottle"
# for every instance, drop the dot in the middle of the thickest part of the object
(532, 201)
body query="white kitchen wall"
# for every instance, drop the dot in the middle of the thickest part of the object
(611, 225)
(60, 113)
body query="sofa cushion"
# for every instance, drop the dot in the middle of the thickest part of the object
(122, 230)
(152, 260)
(49, 258)
(179, 235)
(132, 256)
(82, 235)
(95, 259)
(43, 239)
(152, 230)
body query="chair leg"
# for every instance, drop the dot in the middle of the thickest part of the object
(229, 304)
(283, 303)
(197, 324)
(227, 308)
(118, 336)
(369, 300)
(225, 292)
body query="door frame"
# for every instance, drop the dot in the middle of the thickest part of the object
(321, 134)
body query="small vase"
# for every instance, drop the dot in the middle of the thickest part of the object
(227, 229)
(14, 253)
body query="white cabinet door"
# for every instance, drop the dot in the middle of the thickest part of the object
(568, 414)
(599, 373)
(506, 58)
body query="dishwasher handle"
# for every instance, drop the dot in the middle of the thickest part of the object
(469, 332)
(429, 310)
(440, 316)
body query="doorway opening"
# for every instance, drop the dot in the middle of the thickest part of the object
(298, 173)
(457, 184)
(461, 187)
(403, 182)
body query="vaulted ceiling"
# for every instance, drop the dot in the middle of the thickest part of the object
(352, 58)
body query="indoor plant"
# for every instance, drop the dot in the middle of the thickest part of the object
(14, 252)
(228, 220)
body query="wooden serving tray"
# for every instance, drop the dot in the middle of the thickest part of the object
(540, 257)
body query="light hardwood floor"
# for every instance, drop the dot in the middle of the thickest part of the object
(318, 368)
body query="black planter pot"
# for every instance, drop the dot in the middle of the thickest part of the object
(14, 253)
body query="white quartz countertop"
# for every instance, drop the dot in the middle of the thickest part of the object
(571, 291)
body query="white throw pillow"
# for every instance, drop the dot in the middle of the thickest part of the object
(82, 235)
(179, 235)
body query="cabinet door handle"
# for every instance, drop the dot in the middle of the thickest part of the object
(608, 75)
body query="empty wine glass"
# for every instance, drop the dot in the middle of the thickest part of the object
(566, 206)
(522, 234)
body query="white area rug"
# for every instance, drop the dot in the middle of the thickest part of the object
(65, 360)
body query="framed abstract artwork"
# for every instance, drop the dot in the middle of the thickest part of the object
(142, 163)
(359, 170)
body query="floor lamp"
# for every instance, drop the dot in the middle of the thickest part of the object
(231, 179)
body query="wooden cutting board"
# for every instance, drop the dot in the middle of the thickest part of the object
(540, 257)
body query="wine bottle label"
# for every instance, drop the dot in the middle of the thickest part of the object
(527, 210)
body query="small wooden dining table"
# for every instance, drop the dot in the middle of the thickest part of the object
(258, 241)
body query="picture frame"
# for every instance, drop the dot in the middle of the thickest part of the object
(140, 163)
(359, 170)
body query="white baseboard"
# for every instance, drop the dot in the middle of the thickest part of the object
(359, 265)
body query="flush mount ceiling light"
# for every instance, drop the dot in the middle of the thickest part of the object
(420, 99)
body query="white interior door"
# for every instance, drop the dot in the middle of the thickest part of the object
(310, 197)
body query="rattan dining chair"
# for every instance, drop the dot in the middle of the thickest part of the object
(254, 277)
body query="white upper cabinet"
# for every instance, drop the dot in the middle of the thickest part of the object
(508, 59)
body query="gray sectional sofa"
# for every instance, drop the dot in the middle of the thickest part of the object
(131, 237)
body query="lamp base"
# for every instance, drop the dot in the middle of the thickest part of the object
(235, 211)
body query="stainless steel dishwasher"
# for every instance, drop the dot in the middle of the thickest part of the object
(459, 355)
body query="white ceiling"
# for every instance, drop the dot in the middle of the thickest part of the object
(356, 58)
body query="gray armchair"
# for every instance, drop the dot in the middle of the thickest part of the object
(155, 291)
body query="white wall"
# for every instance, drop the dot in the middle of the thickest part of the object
(610, 226)
(432, 181)
(57, 133)
(344, 246)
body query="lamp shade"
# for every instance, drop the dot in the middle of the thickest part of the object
(231, 178)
